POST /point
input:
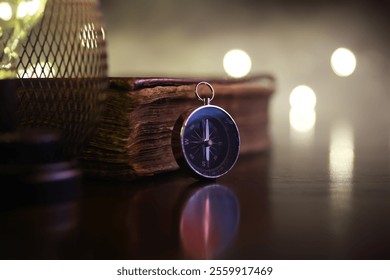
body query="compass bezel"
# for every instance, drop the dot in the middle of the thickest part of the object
(178, 139)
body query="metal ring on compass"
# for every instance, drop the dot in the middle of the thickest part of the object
(205, 100)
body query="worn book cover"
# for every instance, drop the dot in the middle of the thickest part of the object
(133, 137)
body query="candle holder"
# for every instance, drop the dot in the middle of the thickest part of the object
(52, 79)
(17, 17)
(62, 72)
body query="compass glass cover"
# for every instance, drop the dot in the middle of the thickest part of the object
(210, 141)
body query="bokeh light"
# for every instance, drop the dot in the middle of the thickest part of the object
(237, 63)
(5, 11)
(303, 98)
(343, 62)
(302, 121)
(302, 114)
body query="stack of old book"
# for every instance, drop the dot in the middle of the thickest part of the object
(133, 138)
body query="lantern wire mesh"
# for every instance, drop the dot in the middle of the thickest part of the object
(63, 71)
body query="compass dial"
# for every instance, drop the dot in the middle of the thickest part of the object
(209, 141)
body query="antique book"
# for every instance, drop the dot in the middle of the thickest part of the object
(133, 137)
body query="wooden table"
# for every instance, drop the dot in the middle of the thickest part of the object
(324, 194)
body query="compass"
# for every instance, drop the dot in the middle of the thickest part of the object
(206, 140)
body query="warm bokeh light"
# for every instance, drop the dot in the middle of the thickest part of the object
(302, 114)
(343, 62)
(5, 12)
(237, 63)
(303, 98)
(28, 8)
(302, 121)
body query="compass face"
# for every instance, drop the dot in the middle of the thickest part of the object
(209, 141)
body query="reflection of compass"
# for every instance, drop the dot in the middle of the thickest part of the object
(206, 141)
(209, 221)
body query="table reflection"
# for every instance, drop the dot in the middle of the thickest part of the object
(209, 221)
(171, 219)
(341, 154)
(341, 171)
(45, 231)
(173, 216)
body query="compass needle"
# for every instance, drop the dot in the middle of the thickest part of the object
(207, 130)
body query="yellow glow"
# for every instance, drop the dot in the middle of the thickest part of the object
(29, 8)
(303, 98)
(237, 63)
(343, 62)
(22, 15)
(302, 121)
(5, 11)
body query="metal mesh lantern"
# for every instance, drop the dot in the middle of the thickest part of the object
(63, 71)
